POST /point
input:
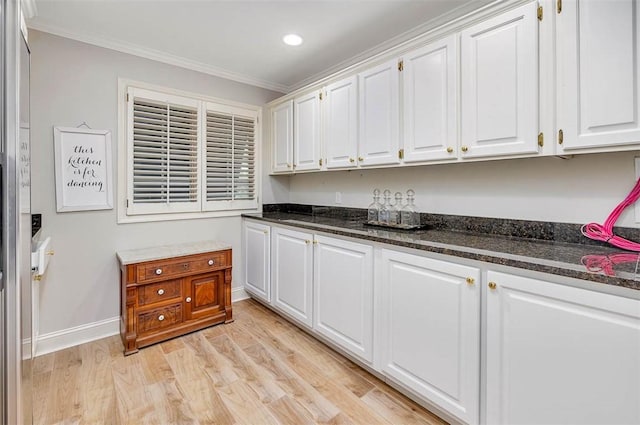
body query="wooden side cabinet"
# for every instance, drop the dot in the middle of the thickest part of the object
(171, 296)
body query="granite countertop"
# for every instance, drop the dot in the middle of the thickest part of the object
(132, 256)
(591, 262)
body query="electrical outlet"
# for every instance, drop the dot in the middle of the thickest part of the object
(338, 197)
(637, 206)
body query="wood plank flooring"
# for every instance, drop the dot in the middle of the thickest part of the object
(257, 370)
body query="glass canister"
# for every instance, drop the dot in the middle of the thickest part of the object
(386, 207)
(409, 217)
(373, 212)
(394, 212)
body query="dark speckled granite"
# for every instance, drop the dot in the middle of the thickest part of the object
(538, 246)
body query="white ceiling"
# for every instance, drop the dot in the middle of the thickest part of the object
(242, 40)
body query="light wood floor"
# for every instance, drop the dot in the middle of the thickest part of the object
(257, 370)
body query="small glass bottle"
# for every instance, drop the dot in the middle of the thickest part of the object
(409, 217)
(386, 207)
(373, 212)
(394, 213)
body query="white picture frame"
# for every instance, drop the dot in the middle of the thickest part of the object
(83, 169)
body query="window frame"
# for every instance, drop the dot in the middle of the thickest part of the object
(202, 208)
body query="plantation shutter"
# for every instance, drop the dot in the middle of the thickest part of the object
(230, 155)
(163, 146)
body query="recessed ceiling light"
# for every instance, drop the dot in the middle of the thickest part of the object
(292, 39)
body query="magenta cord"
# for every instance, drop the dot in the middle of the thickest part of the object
(605, 263)
(604, 232)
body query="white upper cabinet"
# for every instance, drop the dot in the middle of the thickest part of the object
(430, 92)
(560, 355)
(499, 85)
(282, 137)
(598, 73)
(379, 115)
(306, 132)
(340, 112)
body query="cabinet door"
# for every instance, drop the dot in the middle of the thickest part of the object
(257, 267)
(379, 136)
(292, 273)
(598, 73)
(430, 316)
(560, 355)
(499, 71)
(282, 137)
(306, 132)
(341, 123)
(430, 92)
(343, 294)
(205, 294)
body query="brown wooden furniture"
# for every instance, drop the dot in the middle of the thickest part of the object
(168, 297)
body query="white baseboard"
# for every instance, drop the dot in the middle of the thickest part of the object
(239, 294)
(59, 340)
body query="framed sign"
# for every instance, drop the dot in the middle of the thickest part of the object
(83, 169)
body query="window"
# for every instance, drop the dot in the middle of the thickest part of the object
(187, 156)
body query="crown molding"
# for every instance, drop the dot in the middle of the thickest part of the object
(158, 56)
(460, 15)
(29, 8)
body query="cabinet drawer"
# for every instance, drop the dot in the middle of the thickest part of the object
(157, 270)
(161, 291)
(159, 318)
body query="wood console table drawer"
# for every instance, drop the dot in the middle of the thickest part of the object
(162, 269)
(163, 297)
(158, 292)
(159, 318)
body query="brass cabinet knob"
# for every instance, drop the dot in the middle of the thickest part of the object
(360, 159)
(470, 280)
(265, 232)
(352, 160)
(307, 242)
(315, 242)
(158, 271)
(50, 252)
(464, 149)
(450, 149)
(160, 291)
(210, 262)
(161, 317)
(188, 299)
(288, 165)
(492, 285)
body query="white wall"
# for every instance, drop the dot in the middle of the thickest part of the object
(578, 190)
(72, 82)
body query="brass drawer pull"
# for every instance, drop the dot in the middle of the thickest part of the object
(492, 285)
(470, 280)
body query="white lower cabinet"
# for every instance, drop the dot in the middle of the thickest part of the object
(257, 266)
(430, 337)
(292, 273)
(560, 355)
(343, 294)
